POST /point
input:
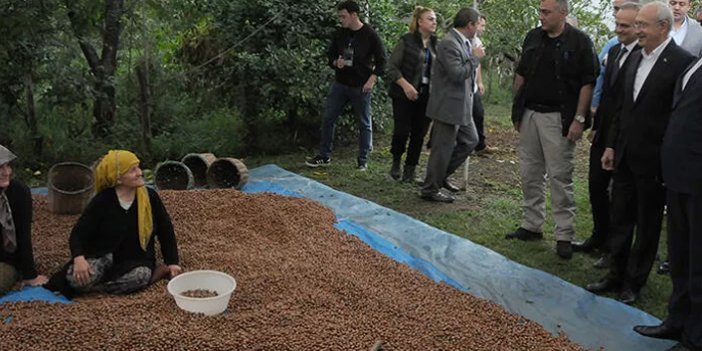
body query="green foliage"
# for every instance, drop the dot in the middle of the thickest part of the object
(217, 131)
(268, 86)
(276, 78)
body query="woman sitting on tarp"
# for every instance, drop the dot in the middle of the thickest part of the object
(16, 257)
(112, 244)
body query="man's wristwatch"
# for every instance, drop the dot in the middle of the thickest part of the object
(580, 118)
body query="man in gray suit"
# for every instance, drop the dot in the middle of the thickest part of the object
(686, 32)
(450, 104)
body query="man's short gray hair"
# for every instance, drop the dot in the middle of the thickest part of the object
(563, 5)
(630, 5)
(663, 13)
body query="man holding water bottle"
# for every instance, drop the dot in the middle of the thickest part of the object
(357, 56)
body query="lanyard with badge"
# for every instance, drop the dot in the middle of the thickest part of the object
(348, 53)
(427, 65)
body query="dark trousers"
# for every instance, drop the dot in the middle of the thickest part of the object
(411, 122)
(451, 145)
(598, 185)
(479, 120)
(637, 203)
(685, 257)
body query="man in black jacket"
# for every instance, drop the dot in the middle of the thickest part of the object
(682, 172)
(634, 146)
(357, 56)
(598, 178)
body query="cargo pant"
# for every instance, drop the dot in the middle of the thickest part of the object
(544, 153)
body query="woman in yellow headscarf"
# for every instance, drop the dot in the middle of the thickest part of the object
(112, 244)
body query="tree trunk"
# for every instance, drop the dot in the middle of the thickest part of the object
(31, 116)
(146, 104)
(103, 68)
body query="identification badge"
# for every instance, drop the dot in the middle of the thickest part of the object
(348, 56)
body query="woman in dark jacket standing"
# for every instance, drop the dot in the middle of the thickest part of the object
(409, 71)
(16, 256)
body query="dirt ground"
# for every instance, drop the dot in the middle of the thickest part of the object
(302, 284)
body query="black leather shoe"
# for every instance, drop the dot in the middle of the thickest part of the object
(661, 331)
(602, 262)
(395, 171)
(586, 246)
(450, 187)
(408, 173)
(523, 234)
(628, 296)
(604, 285)
(438, 197)
(564, 249)
(664, 268)
(679, 347)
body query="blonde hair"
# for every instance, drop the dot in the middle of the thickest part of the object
(416, 15)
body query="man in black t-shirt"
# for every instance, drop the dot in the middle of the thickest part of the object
(357, 56)
(553, 88)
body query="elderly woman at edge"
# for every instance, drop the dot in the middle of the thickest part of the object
(112, 244)
(16, 256)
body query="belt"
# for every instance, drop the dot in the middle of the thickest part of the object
(543, 108)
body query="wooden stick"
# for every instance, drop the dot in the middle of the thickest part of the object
(466, 164)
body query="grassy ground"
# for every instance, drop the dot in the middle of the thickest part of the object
(485, 212)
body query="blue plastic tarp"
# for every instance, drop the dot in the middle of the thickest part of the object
(31, 293)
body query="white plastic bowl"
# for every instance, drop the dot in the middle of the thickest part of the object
(222, 283)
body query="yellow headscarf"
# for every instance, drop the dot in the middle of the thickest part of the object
(111, 167)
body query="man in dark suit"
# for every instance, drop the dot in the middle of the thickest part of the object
(599, 179)
(681, 156)
(450, 104)
(634, 146)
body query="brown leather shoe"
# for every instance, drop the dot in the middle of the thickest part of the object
(661, 331)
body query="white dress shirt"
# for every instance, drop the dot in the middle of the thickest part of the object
(679, 34)
(647, 62)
